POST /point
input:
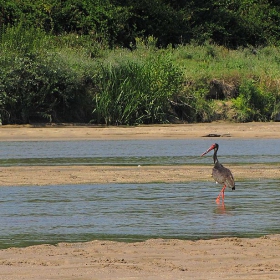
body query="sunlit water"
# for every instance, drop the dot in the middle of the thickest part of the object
(132, 212)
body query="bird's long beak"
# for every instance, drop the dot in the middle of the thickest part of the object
(210, 149)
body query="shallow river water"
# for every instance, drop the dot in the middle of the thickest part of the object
(134, 212)
(144, 152)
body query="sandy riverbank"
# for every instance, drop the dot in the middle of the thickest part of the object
(227, 258)
(184, 131)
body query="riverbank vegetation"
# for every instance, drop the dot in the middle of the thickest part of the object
(75, 65)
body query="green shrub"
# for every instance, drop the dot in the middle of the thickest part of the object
(35, 88)
(254, 103)
(191, 105)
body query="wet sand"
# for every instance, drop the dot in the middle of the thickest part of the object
(226, 258)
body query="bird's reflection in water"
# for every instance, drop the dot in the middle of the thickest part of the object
(221, 208)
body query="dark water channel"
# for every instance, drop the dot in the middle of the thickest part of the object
(134, 212)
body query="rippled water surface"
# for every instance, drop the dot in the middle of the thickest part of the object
(132, 212)
(142, 152)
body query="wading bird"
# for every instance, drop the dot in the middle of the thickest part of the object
(220, 174)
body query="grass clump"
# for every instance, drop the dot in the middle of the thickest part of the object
(137, 91)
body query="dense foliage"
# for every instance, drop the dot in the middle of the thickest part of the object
(119, 22)
(132, 62)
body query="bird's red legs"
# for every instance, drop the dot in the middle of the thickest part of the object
(222, 193)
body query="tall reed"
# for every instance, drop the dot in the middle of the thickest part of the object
(137, 91)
